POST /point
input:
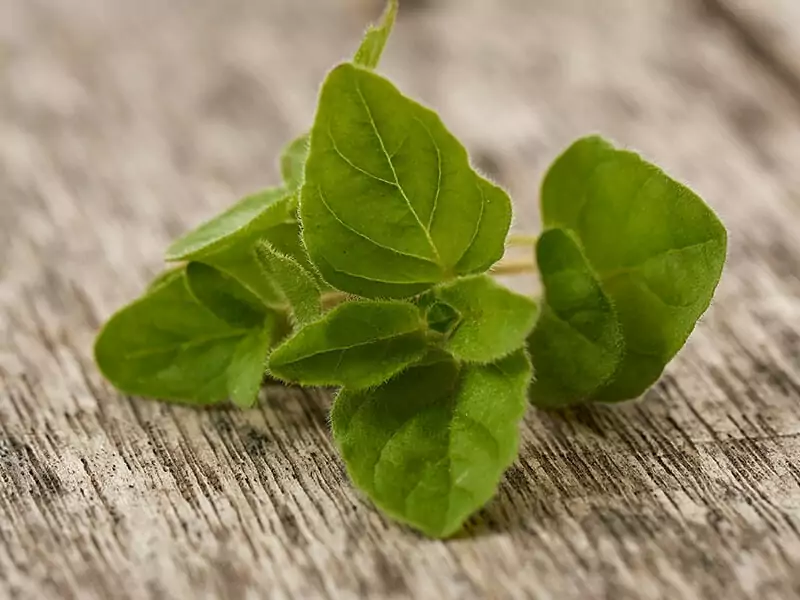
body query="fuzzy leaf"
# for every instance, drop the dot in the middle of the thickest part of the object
(293, 162)
(577, 344)
(265, 209)
(287, 239)
(430, 446)
(224, 296)
(358, 344)
(492, 320)
(297, 285)
(227, 241)
(655, 248)
(376, 152)
(167, 345)
(371, 49)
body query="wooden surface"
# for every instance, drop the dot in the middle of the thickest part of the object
(124, 123)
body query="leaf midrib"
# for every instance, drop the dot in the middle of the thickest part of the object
(390, 162)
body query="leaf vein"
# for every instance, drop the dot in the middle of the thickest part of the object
(394, 171)
(353, 165)
(438, 171)
(636, 266)
(365, 237)
(479, 221)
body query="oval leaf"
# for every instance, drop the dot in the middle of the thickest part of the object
(430, 446)
(492, 320)
(390, 205)
(358, 344)
(167, 345)
(655, 247)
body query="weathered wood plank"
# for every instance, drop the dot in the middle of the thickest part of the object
(122, 124)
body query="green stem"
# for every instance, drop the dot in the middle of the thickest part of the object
(521, 240)
(514, 267)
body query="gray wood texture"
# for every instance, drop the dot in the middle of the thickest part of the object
(123, 123)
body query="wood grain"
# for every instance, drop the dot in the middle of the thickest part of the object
(122, 124)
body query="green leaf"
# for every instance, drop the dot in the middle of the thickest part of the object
(430, 446)
(488, 243)
(167, 345)
(390, 205)
(655, 248)
(258, 211)
(293, 162)
(224, 296)
(577, 344)
(249, 364)
(369, 53)
(492, 320)
(227, 241)
(165, 277)
(297, 285)
(358, 344)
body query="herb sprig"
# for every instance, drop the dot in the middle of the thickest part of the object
(369, 270)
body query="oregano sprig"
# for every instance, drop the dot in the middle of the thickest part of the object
(370, 269)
